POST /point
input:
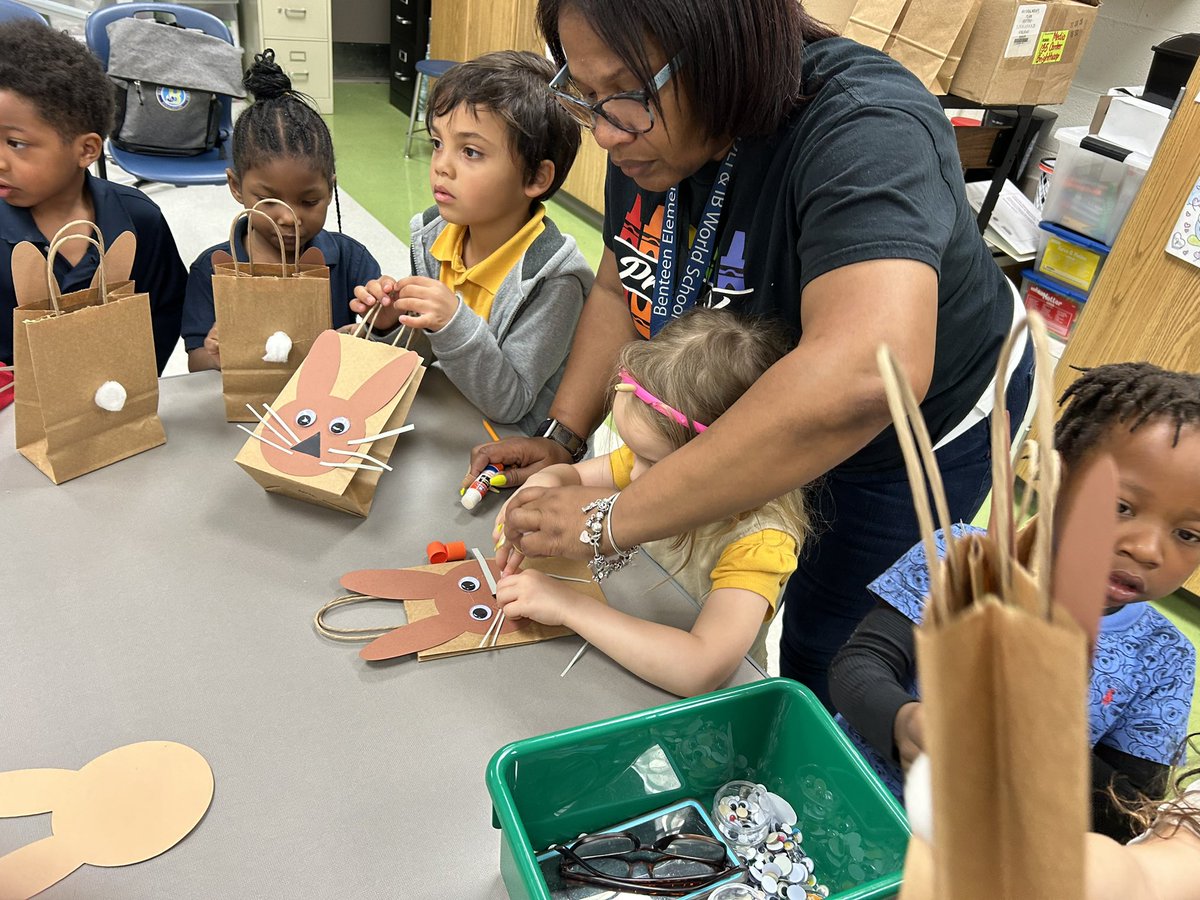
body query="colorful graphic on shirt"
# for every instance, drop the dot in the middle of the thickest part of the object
(637, 246)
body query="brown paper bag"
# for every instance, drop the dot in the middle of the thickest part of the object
(1004, 669)
(871, 21)
(253, 301)
(329, 434)
(67, 348)
(927, 37)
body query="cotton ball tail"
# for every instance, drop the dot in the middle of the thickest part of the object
(111, 396)
(918, 798)
(279, 345)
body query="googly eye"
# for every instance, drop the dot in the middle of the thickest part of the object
(305, 418)
(479, 612)
(469, 584)
(340, 425)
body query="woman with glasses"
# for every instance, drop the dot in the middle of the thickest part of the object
(761, 164)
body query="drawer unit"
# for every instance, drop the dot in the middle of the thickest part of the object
(300, 32)
(409, 41)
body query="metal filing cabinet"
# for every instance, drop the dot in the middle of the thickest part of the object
(409, 41)
(301, 34)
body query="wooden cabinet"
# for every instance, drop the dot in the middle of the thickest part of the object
(463, 29)
(300, 33)
(409, 32)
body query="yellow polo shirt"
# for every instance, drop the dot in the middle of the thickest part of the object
(478, 284)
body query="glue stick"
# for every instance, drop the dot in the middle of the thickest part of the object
(480, 486)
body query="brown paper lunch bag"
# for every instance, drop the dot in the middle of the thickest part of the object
(255, 300)
(927, 37)
(67, 346)
(1003, 655)
(329, 435)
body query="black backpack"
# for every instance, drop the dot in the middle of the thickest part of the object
(169, 81)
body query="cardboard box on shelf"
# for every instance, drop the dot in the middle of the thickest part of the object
(1024, 53)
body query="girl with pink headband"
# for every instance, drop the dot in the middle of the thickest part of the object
(666, 391)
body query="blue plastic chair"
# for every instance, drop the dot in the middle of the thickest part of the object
(205, 168)
(426, 68)
(10, 9)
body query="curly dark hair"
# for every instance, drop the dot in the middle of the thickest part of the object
(58, 75)
(1128, 394)
(514, 86)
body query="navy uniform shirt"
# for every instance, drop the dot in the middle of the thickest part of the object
(350, 264)
(157, 268)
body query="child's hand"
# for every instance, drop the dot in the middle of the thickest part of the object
(427, 304)
(909, 732)
(381, 291)
(534, 595)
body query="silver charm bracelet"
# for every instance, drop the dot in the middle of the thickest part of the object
(597, 523)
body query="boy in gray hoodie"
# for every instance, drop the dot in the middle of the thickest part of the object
(495, 286)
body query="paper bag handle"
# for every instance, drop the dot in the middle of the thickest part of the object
(368, 323)
(52, 282)
(917, 449)
(295, 231)
(1047, 460)
(246, 214)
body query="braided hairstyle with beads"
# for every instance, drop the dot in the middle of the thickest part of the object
(1128, 394)
(281, 122)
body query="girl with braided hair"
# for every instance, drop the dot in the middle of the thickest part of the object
(1143, 671)
(282, 149)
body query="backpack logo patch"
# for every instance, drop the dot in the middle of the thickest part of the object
(172, 98)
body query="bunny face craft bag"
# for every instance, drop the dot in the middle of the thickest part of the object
(86, 391)
(268, 315)
(330, 433)
(1003, 655)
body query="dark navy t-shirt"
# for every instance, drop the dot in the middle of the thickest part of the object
(867, 168)
(157, 268)
(350, 264)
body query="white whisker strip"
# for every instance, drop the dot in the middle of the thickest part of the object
(266, 423)
(569, 578)
(574, 659)
(376, 437)
(259, 437)
(353, 465)
(279, 419)
(487, 634)
(7, 387)
(499, 625)
(367, 456)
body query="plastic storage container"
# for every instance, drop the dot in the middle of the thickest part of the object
(556, 786)
(1094, 184)
(1070, 258)
(1058, 304)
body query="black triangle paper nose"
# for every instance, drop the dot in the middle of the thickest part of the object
(310, 446)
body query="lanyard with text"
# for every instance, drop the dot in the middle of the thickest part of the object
(667, 303)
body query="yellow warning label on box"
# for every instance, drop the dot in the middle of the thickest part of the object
(1050, 47)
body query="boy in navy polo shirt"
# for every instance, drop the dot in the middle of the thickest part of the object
(282, 150)
(56, 107)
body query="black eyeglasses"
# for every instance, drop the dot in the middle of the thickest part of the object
(629, 111)
(674, 865)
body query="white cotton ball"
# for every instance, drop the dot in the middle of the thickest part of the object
(918, 798)
(279, 345)
(111, 396)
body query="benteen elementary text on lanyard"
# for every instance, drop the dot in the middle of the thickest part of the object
(667, 303)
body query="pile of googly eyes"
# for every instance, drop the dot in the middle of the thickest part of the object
(780, 868)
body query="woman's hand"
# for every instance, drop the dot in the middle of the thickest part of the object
(909, 732)
(548, 521)
(520, 456)
(534, 595)
(508, 557)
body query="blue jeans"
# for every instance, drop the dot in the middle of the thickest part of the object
(865, 523)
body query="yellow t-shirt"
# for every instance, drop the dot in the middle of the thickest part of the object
(478, 284)
(760, 561)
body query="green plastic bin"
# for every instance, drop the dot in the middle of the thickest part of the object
(554, 787)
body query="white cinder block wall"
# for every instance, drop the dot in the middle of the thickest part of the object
(1119, 54)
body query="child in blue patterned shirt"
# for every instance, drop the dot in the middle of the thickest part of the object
(1143, 671)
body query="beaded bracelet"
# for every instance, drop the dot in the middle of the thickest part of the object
(594, 527)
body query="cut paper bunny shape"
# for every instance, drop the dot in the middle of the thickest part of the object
(461, 595)
(321, 430)
(123, 807)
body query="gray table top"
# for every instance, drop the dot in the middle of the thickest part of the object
(168, 597)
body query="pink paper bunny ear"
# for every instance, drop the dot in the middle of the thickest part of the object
(381, 387)
(413, 638)
(320, 370)
(398, 584)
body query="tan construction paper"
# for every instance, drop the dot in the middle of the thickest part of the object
(122, 808)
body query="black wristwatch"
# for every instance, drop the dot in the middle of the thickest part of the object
(564, 436)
